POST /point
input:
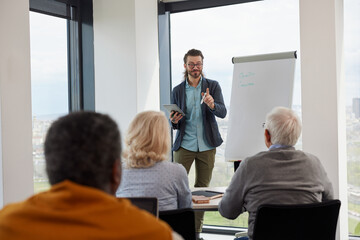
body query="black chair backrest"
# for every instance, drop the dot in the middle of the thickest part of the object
(315, 221)
(149, 204)
(181, 221)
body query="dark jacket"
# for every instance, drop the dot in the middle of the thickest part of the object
(211, 130)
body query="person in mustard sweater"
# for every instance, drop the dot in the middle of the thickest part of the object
(82, 153)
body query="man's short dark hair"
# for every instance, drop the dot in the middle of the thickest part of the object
(82, 147)
(193, 53)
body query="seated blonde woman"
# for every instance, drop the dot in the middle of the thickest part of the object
(147, 171)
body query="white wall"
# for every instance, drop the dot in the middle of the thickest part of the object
(323, 100)
(126, 58)
(16, 169)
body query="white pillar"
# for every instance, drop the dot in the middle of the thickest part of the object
(126, 58)
(147, 55)
(323, 100)
(16, 166)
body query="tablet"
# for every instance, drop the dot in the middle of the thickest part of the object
(173, 107)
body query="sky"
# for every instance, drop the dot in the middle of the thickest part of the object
(48, 46)
(352, 49)
(220, 33)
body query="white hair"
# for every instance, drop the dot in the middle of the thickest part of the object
(284, 126)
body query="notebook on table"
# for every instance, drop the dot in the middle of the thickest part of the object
(204, 196)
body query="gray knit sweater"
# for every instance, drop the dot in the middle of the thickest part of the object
(166, 181)
(277, 176)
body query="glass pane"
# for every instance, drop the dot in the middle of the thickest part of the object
(231, 31)
(49, 83)
(352, 79)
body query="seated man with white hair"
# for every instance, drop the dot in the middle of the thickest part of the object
(281, 175)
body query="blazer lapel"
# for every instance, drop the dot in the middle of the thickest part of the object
(183, 97)
(204, 86)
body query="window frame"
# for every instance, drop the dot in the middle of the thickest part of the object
(183, 6)
(80, 39)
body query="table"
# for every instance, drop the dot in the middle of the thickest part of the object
(213, 204)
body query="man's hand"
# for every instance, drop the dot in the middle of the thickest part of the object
(208, 100)
(175, 117)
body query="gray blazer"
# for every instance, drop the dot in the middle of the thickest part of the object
(277, 176)
(211, 130)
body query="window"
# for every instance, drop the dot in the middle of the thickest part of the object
(352, 79)
(61, 36)
(49, 83)
(230, 31)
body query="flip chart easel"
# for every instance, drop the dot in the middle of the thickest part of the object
(260, 83)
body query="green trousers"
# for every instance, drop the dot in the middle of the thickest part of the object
(204, 165)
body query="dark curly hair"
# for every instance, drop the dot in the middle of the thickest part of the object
(82, 147)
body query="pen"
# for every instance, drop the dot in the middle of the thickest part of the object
(202, 100)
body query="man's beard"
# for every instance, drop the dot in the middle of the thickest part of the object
(194, 74)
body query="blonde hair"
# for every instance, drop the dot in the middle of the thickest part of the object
(147, 140)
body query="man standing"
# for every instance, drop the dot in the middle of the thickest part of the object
(281, 175)
(198, 134)
(82, 154)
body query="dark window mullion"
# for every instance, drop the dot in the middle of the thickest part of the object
(52, 8)
(74, 63)
(87, 54)
(183, 6)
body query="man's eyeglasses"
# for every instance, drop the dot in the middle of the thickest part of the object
(191, 65)
(263, 125)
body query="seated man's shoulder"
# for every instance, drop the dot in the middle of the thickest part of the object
(9, 210)
(283, 152)
(261, 156)
(299, 154)
(258, 157)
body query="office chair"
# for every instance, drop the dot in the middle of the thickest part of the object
(315, 221)
(181, 221)
(149, 204)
